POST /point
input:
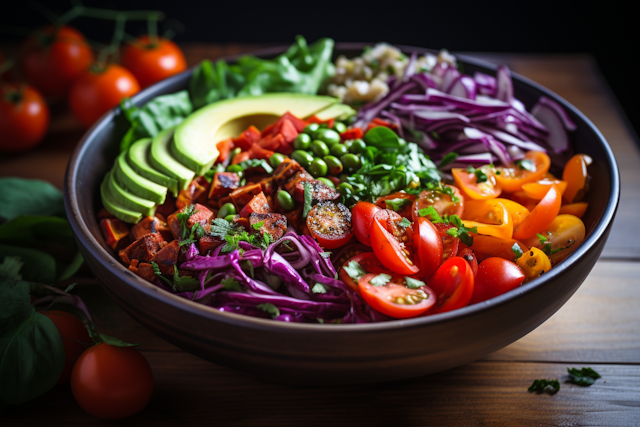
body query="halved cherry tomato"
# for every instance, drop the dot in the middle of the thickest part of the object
(575, 173)
(453, 285)
(541, 217)
(575, 209)
(534, 263)
(153, 59)
(405, 210)
(495, 277)
(395, 299)
(490, 216)
(488, 246)
(428, 247)
(330, 224)
(450, 244)
(369, 263)
(537, 190)
(521, 198)
(468, 183)
(441, 202)
(362, 217)
(391, 242)
(468, 255)
(512, 178)
(516, 210)
(566, 232)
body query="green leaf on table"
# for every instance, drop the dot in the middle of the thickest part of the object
(583, 377)
(544, 386)
(10, 267)
(38, 266)
(28, 197)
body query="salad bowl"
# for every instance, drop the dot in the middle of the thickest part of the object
(330, 354)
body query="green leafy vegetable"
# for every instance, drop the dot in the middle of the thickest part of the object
(397, 204)
(10, 267)
(447, 159)
(479, 173)
(545, 386)
(269, 308)
(517, 251)
(319, 288)
(380, 280)
(583, 377)
(231, 284)
(405, 223)
(546, 247)
(184, 283)
(354, 270)
(526, 164)
(197, 232)
(308, 198)
(183, 217)
(413, 283)
(255, 163)
(459, 230)
(28, 197)
(433, 215)
(116, 342)
(257, 225)
(382, 137)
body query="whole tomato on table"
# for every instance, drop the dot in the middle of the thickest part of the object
(151, 59)
(24, 118)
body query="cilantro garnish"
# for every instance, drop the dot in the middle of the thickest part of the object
(269, 308)
(405, 223)
(459, 229)
(231, 284)
(220, 228)
(183, 218)
(546, 247)
(433, 215)
(308, 198)
(380, 280)
(354, 270)
(197, 232)
(517, 251)
(319, 288)
(448, 158)
(158, 273)
(320, 320)
(479, 173)
(583, 377)
(184, 283)
(257, 225)
(325, 254)
(548, 386)
(397, 204)
(413, 283)
(526, 164)
(444, 189)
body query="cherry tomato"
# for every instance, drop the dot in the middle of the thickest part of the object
(153, 59)
(441, 202)
(541, 217)
(533, 263)
(112, 382)
(468, 183)
(516, 210)
(468, 255)
(537, 190)
(53, 59)
(428, 247)
(369, 263)
(24, 118)
(495, 277)
(575, 209)
(395, 299)
(535, 166)
(405, 211)
(575, 174)
(96, 92)
(450, 244)
(390, 242)
(522, 199)
(330, 224)
(564, 234)
(488, 246)
(74, 337)
(362, 217)
(489, 216)
(453, 285)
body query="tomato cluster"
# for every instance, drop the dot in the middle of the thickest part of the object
(452, 246)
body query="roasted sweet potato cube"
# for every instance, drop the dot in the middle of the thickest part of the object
(167, 257)
(144, 248)
(268, 186)
(223, 183)
(319, 191)
(146, 226)
(202, 215)
(297, 177)
(144, 270)
(113, 231)
(287, 168)
(208, 243)
(188, 197)
(295, 218)
(247, 138)
(258, 204)
(272, 223)
(241, 221)
(243, 195)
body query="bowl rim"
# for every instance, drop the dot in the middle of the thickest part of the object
(109, 261)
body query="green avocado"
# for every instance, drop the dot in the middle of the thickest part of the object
(115, 209)
(195, 139)
(336, 111)
(138, 157)
(162, 160)
(128, 200)
(137, 184)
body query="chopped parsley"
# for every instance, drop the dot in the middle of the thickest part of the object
(397, 204)
(180, 283)
(231, 284)
(526, 164)
(354, 270)
(197, 232)
(269, 308)
(583, 377)
(459, 229)
(380, 280)
(413, 283)
(183, 218)
(405, 223)
(233, 234)
(448, 158)
(257, 225)
(479, 173)
(319, 288)
(546, 247)
(517, 251)
(545, 386)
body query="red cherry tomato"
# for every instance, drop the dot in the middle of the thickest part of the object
(428, 247)
(330, 224)
(441, 202)
(453, 285)
(362, 217)
(468, 255)
(495, 277)
(450, 244)
(369, 263)
(74, 337)
(95, 93)
(391, 242)
(54, 58)
(153, 59)
(24, 118)
(112, 382)
(395, 299)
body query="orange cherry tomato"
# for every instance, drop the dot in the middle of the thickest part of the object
(394, 298)
(488, 246)
(24, 118)
(96, 92)
(441, 202)
(541, 217)
(468, 183)
(516, 210)
(564, 235)
(521, 198)
(575, 173)
(369, 263)
(453, 285)
(428, 247)
(153, 59)
(53, 59)
(391, 242)
(405, 211)
(490, 216)
(535, 166)
(575, 209)
(495, 277)
(537, 190)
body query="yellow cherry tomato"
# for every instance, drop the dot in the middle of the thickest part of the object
(534, 263)
(564, 235)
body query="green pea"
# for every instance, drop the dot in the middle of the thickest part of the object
(357, 146)
(339, 127)
(302, 157)
(328, 136)
(233, 153)
(319, 148)
(345, 189)
(229, 218)
(334, 165)
(226, 210)
(339, 150)
(276, 159)
(310, 129)
(327, 182)
(301, 142)
(318, 168)
(351, 162)
(285, 200)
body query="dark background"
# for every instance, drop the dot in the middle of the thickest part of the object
(603, 29)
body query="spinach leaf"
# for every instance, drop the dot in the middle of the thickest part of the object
(40, 266)
(28, 197)
(212, 82)
(382, 137)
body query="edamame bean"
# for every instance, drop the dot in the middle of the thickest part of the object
(327, 182)
(339, 127)
(226, 210)
(310, 129)
(318, 168)
(357, 146)
(229, 218)
(333, 164)
(301, 142)
(328, 136)
(338, 150)
(285, 201)
(319, 148)
(345, 189)
(351, 162)
(302, 157)
(276, 159)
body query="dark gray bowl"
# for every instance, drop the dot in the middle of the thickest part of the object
(338, 354)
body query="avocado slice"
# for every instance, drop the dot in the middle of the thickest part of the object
(136, 184)
(138, 157)
(336, 111)
(129, 200)
(113, 207)
(195, 139)
(162, 160)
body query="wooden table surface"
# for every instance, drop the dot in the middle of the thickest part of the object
(599, 326)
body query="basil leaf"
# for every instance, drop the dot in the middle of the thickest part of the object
(39, 266)
(382, 137)
(28, 197)
(541, 386)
